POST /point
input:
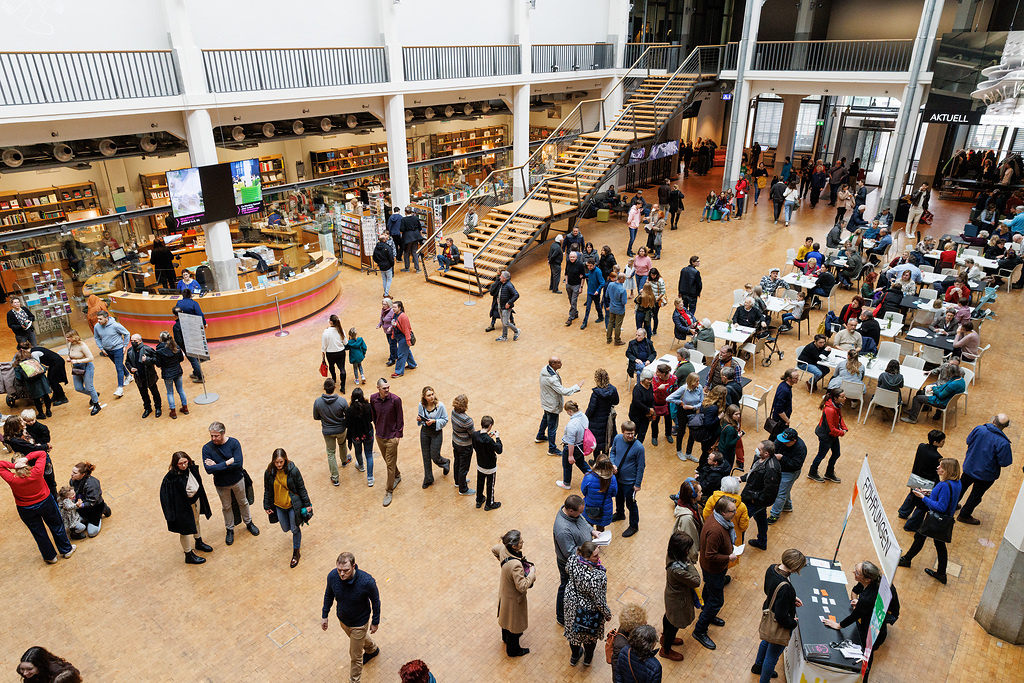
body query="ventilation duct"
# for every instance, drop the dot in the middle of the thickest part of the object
(238, 133)
(351, 121)
(326, 124)
(63, 153)
(408, 115)
(108, 148)
(148, 144)
(12, 158)
(449, 111)
(298, 127)
(268, 130)
(428, 113)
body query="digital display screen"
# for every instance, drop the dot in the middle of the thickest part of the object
(117, 255)
(214, 193)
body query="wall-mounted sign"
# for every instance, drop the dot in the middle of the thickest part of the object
(972, 118)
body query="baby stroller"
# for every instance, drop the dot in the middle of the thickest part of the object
(10, 385)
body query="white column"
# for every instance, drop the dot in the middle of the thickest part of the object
(741, 96)
(187, 54)
(202, 151)
(520, 138)
(618, 24)
(389, 35)
(787, 128)
(931, 148)
(398, 162)
(612, 95)
(999, 611)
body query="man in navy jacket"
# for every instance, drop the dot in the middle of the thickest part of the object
(222, 457)
(358, 599)
(627, 455)
(988, 451)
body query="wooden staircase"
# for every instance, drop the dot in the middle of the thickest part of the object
(566, 187)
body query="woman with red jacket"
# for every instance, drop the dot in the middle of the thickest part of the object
(829, 430)
(402, 334)
(742, 188)
(663, 384)
(36, 507)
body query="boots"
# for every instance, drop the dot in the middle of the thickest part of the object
(95, 408)
(203, 547)
(669, 653)
(295, 557)
(814, 476)
(192, 558)
(174, 415)
(184, 409)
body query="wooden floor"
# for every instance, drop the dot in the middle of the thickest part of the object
(536, 208)
(126, 607)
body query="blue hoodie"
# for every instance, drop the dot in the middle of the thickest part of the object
(112, 336)
(988, 451)
(617, 298)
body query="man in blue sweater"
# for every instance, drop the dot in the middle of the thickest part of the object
(595, 285)
(988, 451)
(222, 457)
(627, 455)
(616, 294)
(111, 338)
(358, 598)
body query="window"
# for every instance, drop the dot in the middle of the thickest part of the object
(806, 124)
(985, 137)
(767, 123)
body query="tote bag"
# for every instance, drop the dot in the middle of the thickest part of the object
(769, 629)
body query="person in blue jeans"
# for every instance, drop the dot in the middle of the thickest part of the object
(793, 452)
(36, 505)
(402, 333)
(781, 599)
(359, 431)
(284, 492)
(552, 397)
(168, 359)
(111, 338)
(812, 359)
(628, 457)
(595, 285)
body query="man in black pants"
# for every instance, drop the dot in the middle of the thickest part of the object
(139, 361)
(487, 445)
(555, 256)
(717, 538)
(56, 372)
(988, 451)
(571, 531)
(690, 284)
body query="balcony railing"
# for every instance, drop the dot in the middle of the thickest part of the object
(64, 77)
(462, 61)
(633, 52)
(583, 57)
(250, 70)
(834, 55)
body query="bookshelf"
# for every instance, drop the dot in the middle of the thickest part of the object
(342, 160)
(272, 170)
(31, 208)
(154, 189)
(540, 133)
(463, 171)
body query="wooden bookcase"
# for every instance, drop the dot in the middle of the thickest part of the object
(540, 133)
(465, 142)
(342, 160)
(272, 170)
(30, 208)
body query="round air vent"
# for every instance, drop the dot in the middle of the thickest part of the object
(13, 158)
(468, 109)
(485, 107)
(298, 127)
(62, 152)
(408, 115)
(108, 148)
(238, 133)
(326, 124)
(351, 121)
(449, 111)
(428, 112)
(269, 130)
(148, 143)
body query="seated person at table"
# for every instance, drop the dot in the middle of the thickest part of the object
(974, 272)
(733, 389)
(947, 324)
(834, 237)
(639, 353)
(1015, 224)
(854, 263)
(870, 331)
(871, 232)
(1007, 262)
(967, 343)
(884, 218)
(771, 282)
(748, 315)
(926, 317)
(683, 321)
(1003, 232)
(812, 267)
(848, 338)
(705, 334)
(907, 283)
(926, 245)
(960, 289)
(869, 287)
(902, 259)
(850, 371)
(891, 379)
(950, 383)
(759, 302)
(188, 282)
(963, 310)
(824, 284)
(987, 218)
(883, 244)
(857, 220)
(994, 248)
(816, 254)
(801, 254)
(852, 309)
(795, 313)
(893, 299)
(915, 273)
(947, 257)
(813, 360)
(723, 359)
(683, 366)
(982, 239)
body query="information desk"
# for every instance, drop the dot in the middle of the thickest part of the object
(236, 313)
(810, 655)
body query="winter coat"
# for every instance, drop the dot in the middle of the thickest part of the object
(56, 368)
(587, 590)
(296, 488)
(599, 411)
(411, 230)
(143, 360)
(988, 451)
(169, 361)
(384, 255)
(177, 507)
(633, 668)
(552, 393)
(593, 497)
(742, 518)
(686, 523)
(762, 484)
(36, 386)
(513, 609)
(680, 581)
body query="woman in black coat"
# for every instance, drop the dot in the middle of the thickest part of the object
(183, 499)
(604, 395)
(865, 592)
(20, 320)
(284, 493)
(641, 409)
(56, 372)
(162, 261)
(168, 359)
(36, 386)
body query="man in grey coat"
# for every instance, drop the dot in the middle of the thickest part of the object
(329, 410)
(552, 398)
(571, 531)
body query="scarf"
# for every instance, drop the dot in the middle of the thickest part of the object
(519, 556)
(586, 562)
(726, 525)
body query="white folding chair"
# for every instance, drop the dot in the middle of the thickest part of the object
(796, 355)
(913, 362)
(926, 269)
(885, 398)
(1010, 276)
(907, 347)
(897, 318)
(753, 348)
(976, 363)
(706, 348)
(888, 350)
(738, 295)
(932, 355)
(742, 363)
(928, 293)
(948, 271)
(790, 294)
(756, 400)
(968, 380)
(854, 392)
(951, 407)
(790, 257)
(970, 252)
(696, 357)
(832, 297)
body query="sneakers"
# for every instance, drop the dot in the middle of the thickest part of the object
(71, 552)
(540, 440)
(814, 476)
(369, 481)
(493, 506)
(467, 492)
(562, 485)
(681, 455)
(831, 476)
(501, 339)
(387, 498)
(654, 441)
(772, 519)
(335, 481)
(692, 458)
(515, 337)
(119, 392)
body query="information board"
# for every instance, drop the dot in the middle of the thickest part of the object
(193, 333)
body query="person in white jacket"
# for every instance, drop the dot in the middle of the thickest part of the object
(790, 198)
(552, 398)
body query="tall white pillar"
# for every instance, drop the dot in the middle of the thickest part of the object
(931, 150)
(618, 28)
(1001, 609)
(787, 128)
(520, 138)
(741, 96)
(398, 162)
(389, 19)
(202, 150)
(187, 54)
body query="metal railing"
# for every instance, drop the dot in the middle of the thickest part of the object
(631, 55)
(63, 77)
(834, 55)
(580, 57)
(281, 69)
(460, 61)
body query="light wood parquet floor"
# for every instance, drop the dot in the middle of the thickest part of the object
(126, 607)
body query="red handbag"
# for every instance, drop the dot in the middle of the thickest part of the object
(323, 368)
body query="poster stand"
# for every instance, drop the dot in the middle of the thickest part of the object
(467, 261)
(193, 333)
(281, 332)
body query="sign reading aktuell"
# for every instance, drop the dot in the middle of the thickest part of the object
(882, 534)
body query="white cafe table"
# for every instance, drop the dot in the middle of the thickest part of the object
(738, 335)
(777, 304)
(801, 280)
(913, 378)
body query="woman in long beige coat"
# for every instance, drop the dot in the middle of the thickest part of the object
(517, 576)
(680, 582)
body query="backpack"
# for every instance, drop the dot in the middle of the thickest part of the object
(589, 442)
(609, 644)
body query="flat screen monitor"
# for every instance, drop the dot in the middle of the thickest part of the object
(117, 255)
(214, 193)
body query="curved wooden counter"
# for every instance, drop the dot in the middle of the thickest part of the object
(237, 313)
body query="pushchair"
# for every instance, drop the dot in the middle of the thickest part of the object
(11, 385)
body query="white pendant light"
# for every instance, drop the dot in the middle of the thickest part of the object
(108, 148)
(13, 158)
(238, 133)
(326, 124)
(148, 143)
(298, 127)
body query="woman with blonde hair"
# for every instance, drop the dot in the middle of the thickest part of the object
(646, 305)
(82, 369)
(851, 371)
(631, 616)
(710, 425)
(941, 500)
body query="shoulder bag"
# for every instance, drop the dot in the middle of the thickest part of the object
(587, 622)
(769, 629)
(938, 525)
(323, 366)
(609, 645)
(31, 368)
(412, 338)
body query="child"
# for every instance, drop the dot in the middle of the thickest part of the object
(69, 511)
(356, 353)
(724, 205)
(630, 272)
(487, 445)
(796, 313)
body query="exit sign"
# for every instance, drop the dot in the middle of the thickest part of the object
(820, 122)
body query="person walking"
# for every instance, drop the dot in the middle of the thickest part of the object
(633, 220)
(168, 359)
(384, 255)
(988, 451)
(39, 665)
(926, 459)
(285, 496)
(629, 460)
(717, 538)
(487, 445)
(359, 432)
(616, 298)
(330, 410)
(356, 348)
(601, 411)
(36, 506)
(675, 206)
(781, 412)
(781, 599)
(387, 323)
(111, 338)
(412, 237)
(641, 407)
(462, 443)
(431, 417)
(82, 369)
(572, 444)
(574, 271)
(555, 256)
(182, 500)
(595, 285)
(517, 577)
(681, 582)
(552, 400)
(571, 530)
(389, 422)
(918, 206)
(586, 603)
(762, 489)
(831, 427)
(402, 332)
(792, 452)
(690, 284)
(222, 457)
(942, 501)
(332, 344)
(778, 196)
(358, 611)
(507, 297)
(140, 361)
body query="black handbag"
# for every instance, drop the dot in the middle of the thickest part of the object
(272, 518)
(937, 526)
(587, 622)
(770, 425)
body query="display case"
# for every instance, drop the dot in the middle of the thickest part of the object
(50, 303)
(272, 170)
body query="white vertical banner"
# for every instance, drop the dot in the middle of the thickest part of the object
(194, 335)
(882, 534)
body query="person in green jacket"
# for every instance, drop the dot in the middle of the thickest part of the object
(951, 382)
(356, 353)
